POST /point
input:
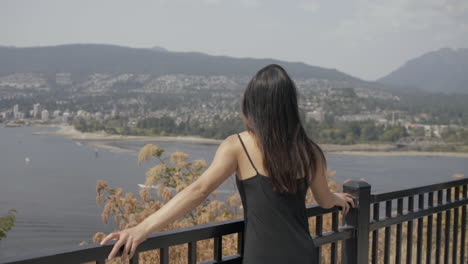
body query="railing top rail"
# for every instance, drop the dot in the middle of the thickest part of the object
(315, 210)
(164, 239)
(92, 252)
(375, 198)
(417, 213)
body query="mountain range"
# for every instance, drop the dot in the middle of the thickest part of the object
(85, 59)
(444, 70)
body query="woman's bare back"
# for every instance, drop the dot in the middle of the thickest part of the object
(245, 170)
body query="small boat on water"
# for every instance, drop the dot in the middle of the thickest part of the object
(27, 160)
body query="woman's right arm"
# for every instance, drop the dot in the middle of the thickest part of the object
(327, 199)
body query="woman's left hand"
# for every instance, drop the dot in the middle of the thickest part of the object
(131, 237)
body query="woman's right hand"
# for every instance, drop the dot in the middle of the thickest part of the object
(343, 200)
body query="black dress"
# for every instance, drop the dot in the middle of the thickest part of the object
(276, 229)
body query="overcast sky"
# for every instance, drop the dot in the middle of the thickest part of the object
(364, 38)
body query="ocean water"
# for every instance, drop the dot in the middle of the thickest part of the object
(54, 192)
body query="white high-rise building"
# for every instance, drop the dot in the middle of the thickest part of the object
(15, 111)
(37, 110)
(65, 117)
(56, 113)
(45, 115)
(113, 113)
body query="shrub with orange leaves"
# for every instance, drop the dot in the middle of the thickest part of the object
(168, 177)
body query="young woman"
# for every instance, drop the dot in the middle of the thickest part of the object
(275, 163)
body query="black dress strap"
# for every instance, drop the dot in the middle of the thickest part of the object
(248, 156)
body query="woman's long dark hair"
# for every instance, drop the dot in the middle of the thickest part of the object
(271, 113)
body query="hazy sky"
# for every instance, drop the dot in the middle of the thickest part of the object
(364, 38)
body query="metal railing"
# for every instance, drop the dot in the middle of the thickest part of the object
(451, 197)
(360, 227)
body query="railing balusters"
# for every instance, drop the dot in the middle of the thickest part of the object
(440, 199)
(409, 232)
(448, 198)
(455, 228)
(464, 226)
(353, 236)
(240, 243)
(135, 259)
(218, 248)
(398, 232)
(430, 204)
(388, 229)
(375, 234)
(420, 230)
(192, 252)
(318, 232)
(164, 255)
(334, 248)
(356, 248)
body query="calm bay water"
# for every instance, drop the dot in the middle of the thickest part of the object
(54, 192)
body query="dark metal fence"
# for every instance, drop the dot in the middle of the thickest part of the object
(451, 198)
(358, 235)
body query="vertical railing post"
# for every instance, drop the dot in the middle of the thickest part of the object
(356, 249)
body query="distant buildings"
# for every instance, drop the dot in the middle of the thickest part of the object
(65, 117)
(45, 115)
(63, 79)
(56, 114)
(362, 117)
(37, 110)
(315, 115)
(24, 81)
(15, 114)
(430, 130)
(15, 111)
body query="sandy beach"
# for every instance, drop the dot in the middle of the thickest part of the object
(71, 132)
(97, 139)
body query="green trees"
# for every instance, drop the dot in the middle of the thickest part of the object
(327, 131)
(394, 133)
(456, 135)
(88, 126)
(353, 132)
(159, 125)
(7, 222)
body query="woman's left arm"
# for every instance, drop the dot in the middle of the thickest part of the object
(224, 165)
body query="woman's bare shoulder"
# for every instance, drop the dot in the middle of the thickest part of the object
(246, 135)
(230, 142)
(234, 138)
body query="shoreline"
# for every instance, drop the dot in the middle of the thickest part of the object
(400, 153)
(69, 131)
